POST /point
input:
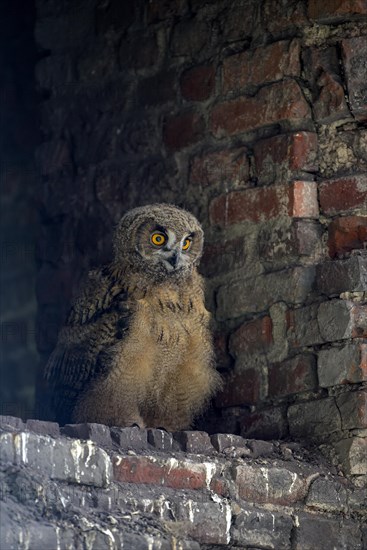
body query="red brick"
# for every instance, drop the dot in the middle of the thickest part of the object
(292, 376)
(182, 130)
(266, 64)
(278, 157)
(343, 194)
(353, 409)
(241, 389)
(252, 337)
(229, 167)
(264, 203)
(198, 83)
(354, 56)
(273, 104)
(329, 10)
(220, 342)
(347, 234)
(170, 472)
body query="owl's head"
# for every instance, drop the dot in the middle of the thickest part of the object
(160, 240)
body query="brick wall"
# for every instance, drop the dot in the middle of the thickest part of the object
(252, 115)
(94, 487)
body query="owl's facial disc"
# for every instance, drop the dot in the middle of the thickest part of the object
(170, 252)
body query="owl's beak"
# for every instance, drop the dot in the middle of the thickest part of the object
(174, 259)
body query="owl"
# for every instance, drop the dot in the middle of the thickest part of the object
(136, 347)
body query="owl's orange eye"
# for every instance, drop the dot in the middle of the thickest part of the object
(158, 239)
(186, 244)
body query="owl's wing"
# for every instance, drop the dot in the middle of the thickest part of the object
(98, 319)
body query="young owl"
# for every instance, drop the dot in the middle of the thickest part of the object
(136, 347)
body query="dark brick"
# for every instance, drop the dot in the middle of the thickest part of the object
(43, 428)
(252, 337)
(353, 409)
(114, 15)
(328, 496)
(224, 441)
(197, 83)
(130, 438)
(182, 130)
(339, 276)
(241, 389)
(157, 89)
(293, 376)
(316, 532)
(258, 527)
(11, 422)
(160, 10)
(260, 448)
(354, 54)
(160, 439)
(279, 16)
(266, 424)
(190, 37)
(194, 442)
(219, 258)
(314, 419)
(98, 433)
(228, 167)
(351, 362)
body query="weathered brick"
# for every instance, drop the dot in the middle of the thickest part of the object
(198, 83)
(258, 293)
(190, 37)
(222, 257)
(298, 200)
(182, 130)
(314, 419)
(293, 376)
(347, 234)
(260, 527)
(170, 472)
(318, 532)
(279, 16)
(249, 113)
(353, 409)
(337, 276)
(194, 442)
(252, 337)
(43, 428)
(130, 438)
(228, 166)
(11, 422)
(327, 495)
(269, 423)
(352, 455)
(160, 440)
(279, 157)
(342, 365)
(262, 65)
(98, 433)
(343, 194)
(354, 55)
(241, 389)
(341, 319)
(330, 10)
(224, 441)
(206, 522)
(275, 485)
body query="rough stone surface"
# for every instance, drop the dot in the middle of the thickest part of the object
(158, 499)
